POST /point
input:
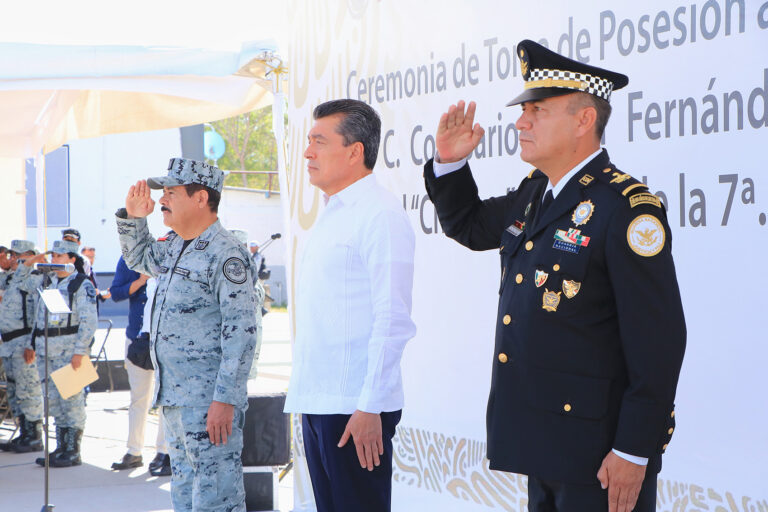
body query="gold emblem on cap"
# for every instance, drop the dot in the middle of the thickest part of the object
(571, 288)
(646, 235)
(550, 300)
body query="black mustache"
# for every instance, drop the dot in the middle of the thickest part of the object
(165, 209)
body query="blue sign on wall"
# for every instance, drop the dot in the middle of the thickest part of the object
(56, 189)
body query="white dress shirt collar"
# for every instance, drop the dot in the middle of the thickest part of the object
(565, 179)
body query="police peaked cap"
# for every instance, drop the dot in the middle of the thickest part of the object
(549, 74)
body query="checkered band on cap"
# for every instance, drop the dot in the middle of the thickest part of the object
(600, 87)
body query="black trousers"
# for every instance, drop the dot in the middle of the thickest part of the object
(338, 482)
(546, 496)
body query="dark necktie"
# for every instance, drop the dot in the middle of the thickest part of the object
(548, 198)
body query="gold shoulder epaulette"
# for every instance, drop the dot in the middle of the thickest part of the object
(629, 187)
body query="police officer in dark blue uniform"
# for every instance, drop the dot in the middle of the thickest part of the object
(590, 333)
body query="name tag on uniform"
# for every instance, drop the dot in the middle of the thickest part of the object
(181, 271)
(516, 228)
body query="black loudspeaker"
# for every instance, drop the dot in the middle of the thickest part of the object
(112, 377)
(267, 431)
(259, 491)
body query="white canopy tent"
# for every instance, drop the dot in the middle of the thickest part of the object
(50, 94)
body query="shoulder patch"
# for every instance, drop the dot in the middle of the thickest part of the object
(646, 236)
(235, 271)
(644, 198)
(167, 237)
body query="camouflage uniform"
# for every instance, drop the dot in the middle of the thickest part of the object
(69, 413)
(17, 316)
(205, 319)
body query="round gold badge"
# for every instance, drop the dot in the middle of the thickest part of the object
(646, 235)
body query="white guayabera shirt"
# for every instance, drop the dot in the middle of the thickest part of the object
(353, 305)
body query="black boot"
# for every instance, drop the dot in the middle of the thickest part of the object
(161, 466)
(8, 446)
(71, 454)
(60, 431)
(31, 438)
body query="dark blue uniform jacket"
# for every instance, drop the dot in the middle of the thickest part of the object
(590, 333)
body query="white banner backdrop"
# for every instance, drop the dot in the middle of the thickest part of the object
(693, 124)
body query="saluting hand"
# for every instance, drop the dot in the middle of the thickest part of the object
(365, 430)
(139, 202)
(456, 137)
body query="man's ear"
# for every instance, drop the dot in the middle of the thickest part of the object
(587, 118)
(202, 198)
(357, 153)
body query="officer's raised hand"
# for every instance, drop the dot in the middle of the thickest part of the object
(456, 136)
(139, 202)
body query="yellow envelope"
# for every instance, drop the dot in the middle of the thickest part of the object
(69, 381)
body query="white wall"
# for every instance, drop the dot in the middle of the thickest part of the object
(259, 216)
(12, 199)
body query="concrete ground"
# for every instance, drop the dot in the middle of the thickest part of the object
(93, 486)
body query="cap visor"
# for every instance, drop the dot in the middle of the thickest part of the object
(163, 181)
(540, 93)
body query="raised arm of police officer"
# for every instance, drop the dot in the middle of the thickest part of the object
(139, 202)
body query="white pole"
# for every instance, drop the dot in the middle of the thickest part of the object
(40, 200)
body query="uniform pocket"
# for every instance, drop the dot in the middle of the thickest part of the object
(568, 394)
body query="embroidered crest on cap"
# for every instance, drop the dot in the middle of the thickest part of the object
(234, 270)
(646, 235)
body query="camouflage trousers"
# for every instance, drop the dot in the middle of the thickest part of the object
(24, 394)
(205, 478)
(66, 413)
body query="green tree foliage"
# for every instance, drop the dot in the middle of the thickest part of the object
(250, 146)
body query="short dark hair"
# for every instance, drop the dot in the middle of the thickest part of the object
(214, 197)
(359, 123)
(601, 106)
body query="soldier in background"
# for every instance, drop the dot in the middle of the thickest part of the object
(17, 316)
(203, 332)
(69, 338)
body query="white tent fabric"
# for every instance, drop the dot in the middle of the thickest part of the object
(50, 94)
(53, 93)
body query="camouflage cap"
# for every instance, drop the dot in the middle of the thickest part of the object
(71, 232)
(183, 171)
(20, 246)
(64, 247)
(241, 235)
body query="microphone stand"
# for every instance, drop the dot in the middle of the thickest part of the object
(47, 507)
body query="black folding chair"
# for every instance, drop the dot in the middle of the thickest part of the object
(103, 352)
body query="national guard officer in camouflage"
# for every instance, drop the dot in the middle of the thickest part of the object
(590, 334)
(204, 327)
(17, 316)
(69, 337)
